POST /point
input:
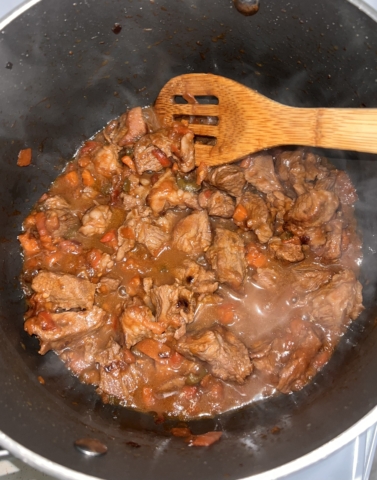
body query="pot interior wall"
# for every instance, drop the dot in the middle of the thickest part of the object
(71, 74)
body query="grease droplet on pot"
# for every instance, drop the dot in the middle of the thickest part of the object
(9, 66)
(116, 28)
(247, 7)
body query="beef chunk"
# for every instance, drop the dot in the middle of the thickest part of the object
(57, 330)
(291, 170)
(278, 204)
(138, 323)
(252, 214)
(106, 162)
(267, 278)
(168, 221)
(165, 194)
(186, 154)
(226, 355)
(344, 189)
(289, 360)
(229, 178)
(153, 237)
(313, 167)
(131, 127)
(309, 278)
(338, 301)
(60, 220)
(289, 250)
(196, 278)
(333, 246)
(64, 291)
(314, 208)
(152, 151)
(217, 204)
(96, 220)
(175, 307)
(227, 257)
(192, 234)
(108, 285)
(260, 172)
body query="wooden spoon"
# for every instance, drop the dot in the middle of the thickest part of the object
(249, 122)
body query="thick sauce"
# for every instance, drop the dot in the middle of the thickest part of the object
(190, 291)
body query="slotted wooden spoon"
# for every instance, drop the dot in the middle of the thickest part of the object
(249, 122)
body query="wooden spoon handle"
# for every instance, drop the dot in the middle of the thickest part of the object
(339, 128)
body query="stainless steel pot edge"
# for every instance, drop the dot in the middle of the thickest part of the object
(40, 463)
(17, 12)
(364, 7)
(64, 473)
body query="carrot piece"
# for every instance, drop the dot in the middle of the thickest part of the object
(127, 160)
(87, 178)
(176, 360)
(152, 348)
(189, 392)
(180, 432)
(128, 356)
(226, 313)
(72, 178)
(29, 244)
(205, 440)
(161, 157)
(254, 257)
(240, 213)
(24, 157)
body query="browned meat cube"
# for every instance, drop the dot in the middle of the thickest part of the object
(288, 360)
(135, 127)
(64, 291)
(165, 194)
(138, 323)
(227, 356)
(175, 307)
(196, 278)
(106, 162)
(344, 188)
(229, 178)
(153, 237)
(252, 214)
(227, 257)
(57, 330)
(217, 204)
(333, 246)
(313, 209)
(289, 250)
(260, 172)
(338, 301)
(309, 279)
(192, 234)
(96, 220)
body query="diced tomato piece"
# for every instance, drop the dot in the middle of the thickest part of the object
(45, 321)
(161, 157)
(176, 360)
(127, 232)
(205, 440)
(109, 236)
(89, 147)
(240, 213)
(24, 157)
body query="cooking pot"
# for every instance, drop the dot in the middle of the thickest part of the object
(66, 69)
